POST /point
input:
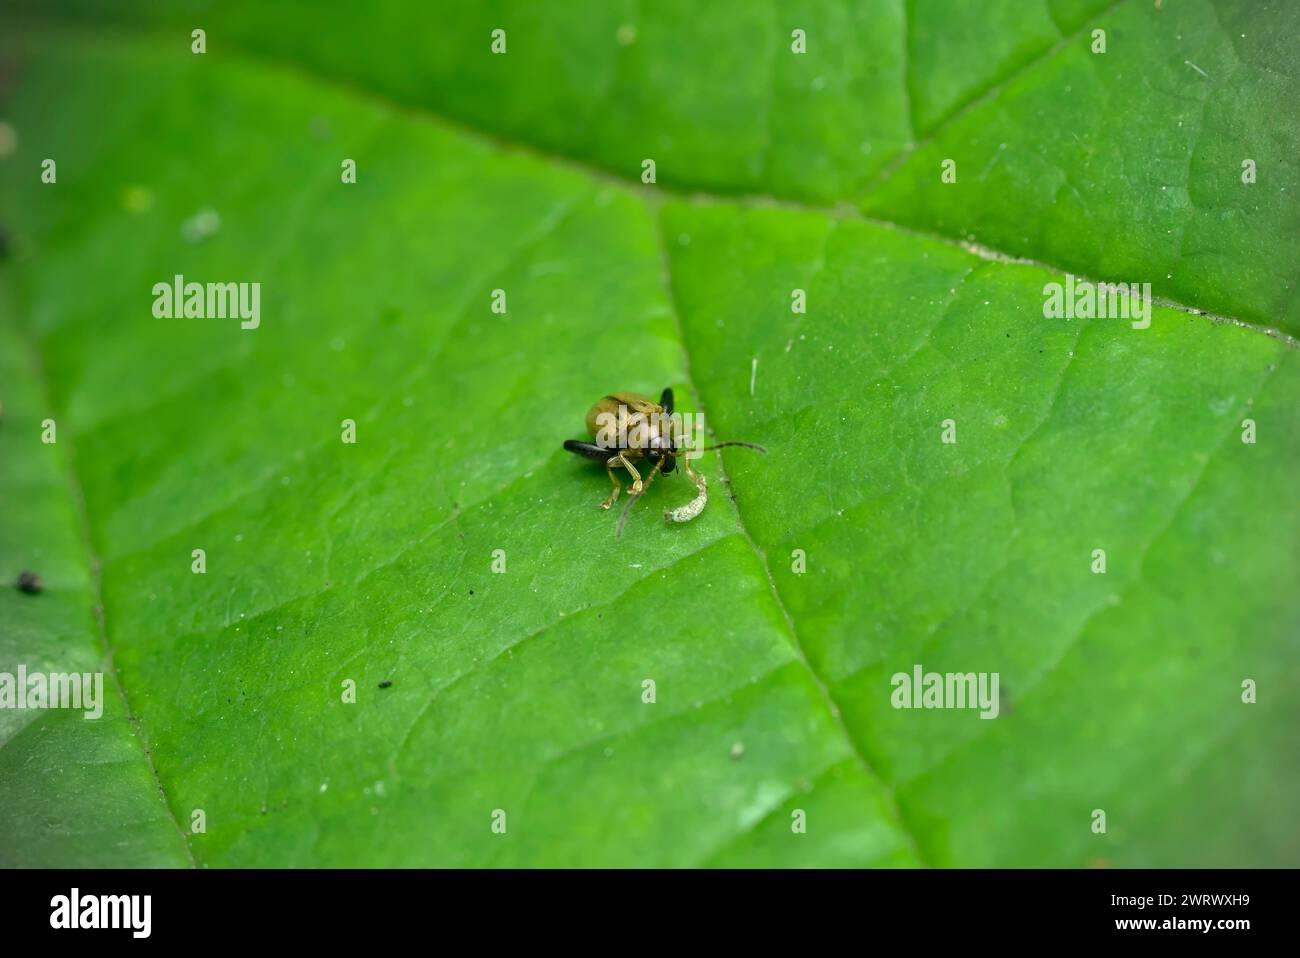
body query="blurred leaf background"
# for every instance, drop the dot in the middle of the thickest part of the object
(523, 691)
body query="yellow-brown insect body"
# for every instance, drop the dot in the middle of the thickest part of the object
(630, 414)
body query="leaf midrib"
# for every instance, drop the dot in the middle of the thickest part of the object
(823, 690)
(94, 568)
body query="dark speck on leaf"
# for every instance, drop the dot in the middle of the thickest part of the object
(385, 683)
(30, 583)
(471, 591)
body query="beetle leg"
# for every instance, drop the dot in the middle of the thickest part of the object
(613, 496)
(636, 476)
(653, 472)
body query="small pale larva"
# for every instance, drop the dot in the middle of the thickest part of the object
(693, 508)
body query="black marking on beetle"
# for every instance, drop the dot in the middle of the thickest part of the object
(30, 583)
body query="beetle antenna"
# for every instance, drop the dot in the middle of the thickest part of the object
(622, 519)
(747, 445)
(618, 533)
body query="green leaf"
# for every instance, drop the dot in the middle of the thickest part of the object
(372, 562)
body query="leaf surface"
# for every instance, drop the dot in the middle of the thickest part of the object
(524, 692)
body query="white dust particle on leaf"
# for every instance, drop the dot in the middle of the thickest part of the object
(201, 226)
